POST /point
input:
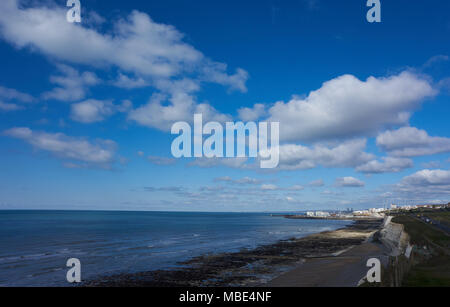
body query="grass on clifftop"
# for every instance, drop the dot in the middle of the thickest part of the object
(434, 271)
(421, 233)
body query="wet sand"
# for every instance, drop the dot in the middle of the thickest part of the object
(315, 260)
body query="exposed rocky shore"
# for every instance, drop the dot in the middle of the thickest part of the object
(253, 267)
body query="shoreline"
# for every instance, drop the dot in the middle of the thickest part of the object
(331, 218)
(255, 267)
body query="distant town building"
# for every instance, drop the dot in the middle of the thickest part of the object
(317, 214)
(361, 213)
(322, 214)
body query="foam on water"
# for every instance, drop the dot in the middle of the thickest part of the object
(35, 245)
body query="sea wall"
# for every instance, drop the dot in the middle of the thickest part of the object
(395, 238)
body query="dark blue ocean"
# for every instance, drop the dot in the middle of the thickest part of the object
(35, 245)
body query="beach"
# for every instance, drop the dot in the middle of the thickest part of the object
(315, 260)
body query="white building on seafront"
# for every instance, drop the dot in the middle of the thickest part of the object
(317, 214)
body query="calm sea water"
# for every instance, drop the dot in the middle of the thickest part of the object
(35, 245)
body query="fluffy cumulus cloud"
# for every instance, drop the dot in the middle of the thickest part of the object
(78, 151)
(137, 44)
(412, 142)
(346, 107)
(71, 84)
(123, 81)
(388, 165)
(216, 72)
(92, 110)
(144, 52)
(348, 154)
(349, 182)
(161, 111)
(252, 114)
(425, 184)
(428, 178)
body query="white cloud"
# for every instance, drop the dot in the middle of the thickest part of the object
(226, 162)
(389, 165)
(125, 106)
(349, 182)
(181, 106)
(444, 85)
(412, 142)
(161, 160)
(136, 45)
(155, 114)
(346, 107)
(347, 154)
(4, 106)
(92, 110)
(269, 187)
(93, 19)
(252, 114)
(126, 82)
(317, 183)
(145, 53)
(428, 178)
(9, 97)
(244, 180)
(72, 85)
(431, 164)
(436, 59)
(331, 193)
(298, 157)
(99, 153)
(224, 179)
(297, 188)
(424, 186)
(216, 72)
(14, 95)
(247, 180)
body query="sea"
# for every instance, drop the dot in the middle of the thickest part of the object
(35, 245)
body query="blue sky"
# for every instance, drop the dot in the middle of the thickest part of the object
(86, 109)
